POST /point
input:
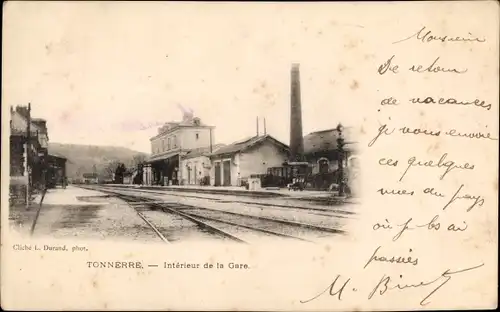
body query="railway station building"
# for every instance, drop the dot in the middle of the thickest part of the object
(174, 141)
(196, 165)
(233, 164)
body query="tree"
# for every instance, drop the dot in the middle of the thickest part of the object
(110, 168)
(138, 159)
(119, 173)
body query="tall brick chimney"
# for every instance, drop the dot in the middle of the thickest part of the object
(296, 138)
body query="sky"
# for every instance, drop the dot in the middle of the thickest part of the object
(111, 73)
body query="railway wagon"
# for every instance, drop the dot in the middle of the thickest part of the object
(283, 176)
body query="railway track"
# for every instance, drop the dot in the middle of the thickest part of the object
(223, 224)
(313, 210)
(142, 205)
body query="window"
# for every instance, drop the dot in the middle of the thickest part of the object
(168, 143)
(163, 145)
(175, 141)
(197, 136)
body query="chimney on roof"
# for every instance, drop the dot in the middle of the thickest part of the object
(23, 110)
(257, 125)
(296, 137)
(265, 132)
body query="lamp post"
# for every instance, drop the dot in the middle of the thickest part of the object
(340, 150)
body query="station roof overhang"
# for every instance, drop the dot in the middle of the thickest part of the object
(163, 158)
(57, 157)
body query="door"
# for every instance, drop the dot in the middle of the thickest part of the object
(323, 166)
(217, 173)
(195, 176)
(227, 173)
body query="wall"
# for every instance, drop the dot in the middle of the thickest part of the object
(160, 144)
(234, 160)
(185, 139)
(252, 161)
(189, 140)
(200, 163)
(332, 164)
(258, 159)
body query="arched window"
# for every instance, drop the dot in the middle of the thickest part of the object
(323, 165)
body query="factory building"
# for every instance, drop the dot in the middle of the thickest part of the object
(316, 161)
(322, 153)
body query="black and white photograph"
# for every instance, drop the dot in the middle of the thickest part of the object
(260, 156)
(187, 185)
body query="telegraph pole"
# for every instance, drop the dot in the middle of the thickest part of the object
(340, 150)
(28, 147)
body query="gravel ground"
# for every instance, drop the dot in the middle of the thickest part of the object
(176, 228)
(335, 208)
(297, 215)
(21, 219)
(81, 213)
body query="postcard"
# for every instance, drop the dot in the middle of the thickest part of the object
(234, 156)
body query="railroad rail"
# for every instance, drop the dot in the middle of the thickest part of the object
(314, 210)
(153, 203)
(206, 217)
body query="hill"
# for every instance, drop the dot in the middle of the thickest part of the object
(89, 158)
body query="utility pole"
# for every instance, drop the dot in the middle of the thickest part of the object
(340, 150)
(28, 147)
(210, 130)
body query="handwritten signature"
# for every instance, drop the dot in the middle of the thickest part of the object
(388, 284)
(425, 37)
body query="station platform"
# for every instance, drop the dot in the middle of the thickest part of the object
(70, 196)
(77, 212)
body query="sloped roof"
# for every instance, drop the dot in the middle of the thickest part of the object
(202, 151)
(54, 155)
(187, 121)
(19, 124)
(244, 144)
(326, 140)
